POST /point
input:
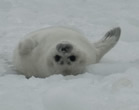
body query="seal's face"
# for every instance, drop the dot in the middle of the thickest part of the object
(67, 59)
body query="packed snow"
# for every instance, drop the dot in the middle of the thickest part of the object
(112, 84)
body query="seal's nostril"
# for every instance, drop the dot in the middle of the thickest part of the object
(64, 48)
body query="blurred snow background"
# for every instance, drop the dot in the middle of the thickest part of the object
(112, 84)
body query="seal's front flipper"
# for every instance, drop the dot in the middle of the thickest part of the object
(26, 46)
(107, 42)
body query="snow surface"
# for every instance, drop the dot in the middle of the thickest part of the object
(112, 84)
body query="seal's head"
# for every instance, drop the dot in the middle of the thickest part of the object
(67, 59)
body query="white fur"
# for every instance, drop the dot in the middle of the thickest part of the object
(34, 56)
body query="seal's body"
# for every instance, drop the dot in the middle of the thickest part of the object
(59, 50)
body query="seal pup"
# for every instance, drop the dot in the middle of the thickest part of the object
(60, 50)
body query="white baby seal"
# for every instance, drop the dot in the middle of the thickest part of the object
(59, 50)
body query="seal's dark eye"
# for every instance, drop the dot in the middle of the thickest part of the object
(57, 58)
(72, 58)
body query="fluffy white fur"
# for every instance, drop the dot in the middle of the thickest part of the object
(59, 50)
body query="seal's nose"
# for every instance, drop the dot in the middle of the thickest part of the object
(64, 47)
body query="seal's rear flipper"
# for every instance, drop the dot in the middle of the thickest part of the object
(107, 42)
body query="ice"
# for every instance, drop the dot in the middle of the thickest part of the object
(112, 84)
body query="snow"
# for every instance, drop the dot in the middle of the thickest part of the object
(112, 84)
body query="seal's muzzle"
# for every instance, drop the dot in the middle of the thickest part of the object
(64, 48)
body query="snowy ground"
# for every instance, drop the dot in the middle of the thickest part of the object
(112, 84)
